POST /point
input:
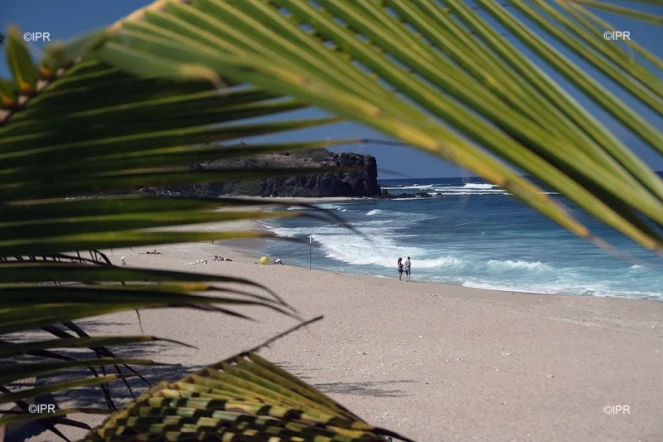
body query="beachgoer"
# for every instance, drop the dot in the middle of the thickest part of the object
(400, 269)
(408, 269)
(278, 261)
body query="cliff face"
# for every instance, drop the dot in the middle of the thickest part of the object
(361, 183)
(357, 184)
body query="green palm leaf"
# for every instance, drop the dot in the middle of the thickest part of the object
(180, 82)
(501, 103)
(119, 133)
(242, 398)
(627, 12)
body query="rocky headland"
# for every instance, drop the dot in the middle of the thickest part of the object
(360, 179)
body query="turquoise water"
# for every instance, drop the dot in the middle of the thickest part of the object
(471, 234)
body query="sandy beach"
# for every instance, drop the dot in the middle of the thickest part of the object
(433, 362)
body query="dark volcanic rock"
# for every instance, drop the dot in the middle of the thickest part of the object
(362, 182)
(406, 195)
(358, 183)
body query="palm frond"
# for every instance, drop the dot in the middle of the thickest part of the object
(123, 107)
(242, 398)
(75, 134)
(598, 26)
(464, 92)
(624, 11)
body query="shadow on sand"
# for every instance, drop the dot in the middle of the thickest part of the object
(359, 388)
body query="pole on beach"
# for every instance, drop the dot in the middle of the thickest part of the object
(310, 253)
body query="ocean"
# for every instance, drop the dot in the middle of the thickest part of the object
(471, 234)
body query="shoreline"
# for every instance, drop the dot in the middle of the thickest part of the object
(431, 361)
(243, 246)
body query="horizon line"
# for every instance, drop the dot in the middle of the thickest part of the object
(460, 177)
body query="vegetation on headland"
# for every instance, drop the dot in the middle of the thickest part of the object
(124, 107)
(345, 175)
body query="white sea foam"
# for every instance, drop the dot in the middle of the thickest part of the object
(478, 186)
(456, 193)
(294, 232)
(295, 208)
(414, 187)
(330, 206)
(380, 247)
(380, 250)
(465, 189)
(470, 189)
(596, 290)
(444, 261)
(509, 264)
(373, 223)
(513, 288)
(373, 212)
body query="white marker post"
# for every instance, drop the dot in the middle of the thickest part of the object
(310, 248)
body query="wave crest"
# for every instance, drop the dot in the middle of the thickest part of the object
(478, 186)
(523, 265)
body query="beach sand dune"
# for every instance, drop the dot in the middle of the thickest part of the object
(434, 362)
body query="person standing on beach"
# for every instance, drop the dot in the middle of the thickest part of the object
(400, 269)
(408, 271)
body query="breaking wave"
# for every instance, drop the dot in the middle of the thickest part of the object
(489, 243)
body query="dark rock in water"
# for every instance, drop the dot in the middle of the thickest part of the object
(361, 182)
(407, 195)
(387, 195)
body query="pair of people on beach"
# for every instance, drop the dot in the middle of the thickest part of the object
(407, 266)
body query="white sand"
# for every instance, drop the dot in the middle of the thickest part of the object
(435, 362)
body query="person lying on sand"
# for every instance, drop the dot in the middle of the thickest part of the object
(152, 253)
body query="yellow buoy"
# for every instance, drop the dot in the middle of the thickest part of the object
(264, 260)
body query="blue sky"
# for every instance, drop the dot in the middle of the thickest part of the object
(64, 19)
